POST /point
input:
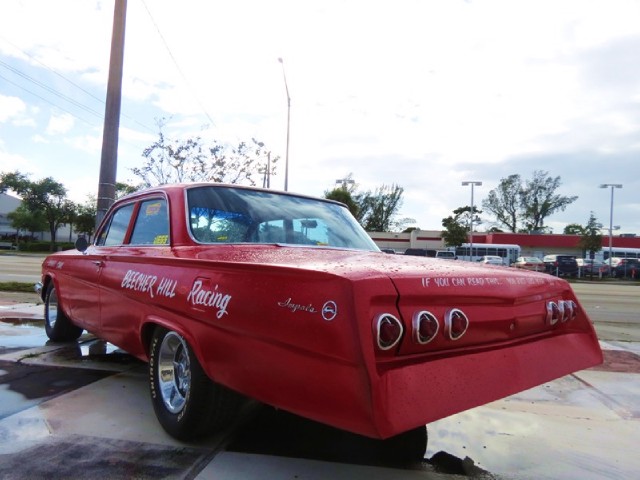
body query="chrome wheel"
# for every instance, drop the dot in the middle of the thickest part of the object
(52, 308)
(56, 324)
(174, 372)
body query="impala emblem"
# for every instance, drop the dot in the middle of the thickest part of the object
(329, 310)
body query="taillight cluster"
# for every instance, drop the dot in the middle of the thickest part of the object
(561, 311)
(389, 331)
(425, 327)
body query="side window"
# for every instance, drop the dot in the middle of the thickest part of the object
(116, 228)
(152, 224)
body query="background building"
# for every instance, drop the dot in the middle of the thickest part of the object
(536, 245)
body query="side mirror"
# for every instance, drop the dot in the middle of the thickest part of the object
(82, 244)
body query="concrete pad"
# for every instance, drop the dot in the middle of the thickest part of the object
(21, 311)
(566, 429)
(233, 466)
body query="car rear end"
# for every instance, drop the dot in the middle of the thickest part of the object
(460, 338)
(379, 344)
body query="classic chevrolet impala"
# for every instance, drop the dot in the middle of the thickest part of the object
(231, 292)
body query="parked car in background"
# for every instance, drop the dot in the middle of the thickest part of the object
(626, 268)
(491, 260)
(587, 266)
(232, 292)
(446, 254)
(529, 263)
(420, 252)
(561, 265)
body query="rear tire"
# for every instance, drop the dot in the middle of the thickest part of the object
(56, 324)
(187, 403)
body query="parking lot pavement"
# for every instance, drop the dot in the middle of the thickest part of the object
(101, 424)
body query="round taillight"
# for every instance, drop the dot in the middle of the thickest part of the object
(456, 323)
(553, 313)
(562, 311)
(388, 331)
(425, 327)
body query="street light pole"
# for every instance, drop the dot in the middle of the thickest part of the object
(612, 186)
(344, 182)
(286, 157)
(464, 184)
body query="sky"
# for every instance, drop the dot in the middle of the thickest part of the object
(416, 93)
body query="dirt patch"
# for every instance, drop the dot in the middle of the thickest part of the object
(619, 361)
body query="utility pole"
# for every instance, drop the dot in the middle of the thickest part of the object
(109, 158)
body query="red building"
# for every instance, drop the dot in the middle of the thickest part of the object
(534, 244)
(531, 244)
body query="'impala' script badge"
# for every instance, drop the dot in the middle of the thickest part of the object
(329, 310)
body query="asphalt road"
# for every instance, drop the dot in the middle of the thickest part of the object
(20, 268)
(614, 308)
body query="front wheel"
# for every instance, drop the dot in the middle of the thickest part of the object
(56, 324)
(187, 403)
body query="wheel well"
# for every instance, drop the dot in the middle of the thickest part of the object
(45, 285)
(146, 335)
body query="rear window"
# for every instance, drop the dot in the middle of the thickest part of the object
(566, 259)
(236, 215)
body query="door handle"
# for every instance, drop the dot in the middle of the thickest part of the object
(97, 263)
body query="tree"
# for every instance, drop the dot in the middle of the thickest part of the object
(504, 202)
(540, 201)
(85, 220)
(45, 196)
(524, 206)
(376, 210)
(192, 160)
(456, 227)
(591, 239)
(123, 189)
(23, 219)
(573, 229)
(344, 196)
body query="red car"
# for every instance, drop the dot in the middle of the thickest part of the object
(232, 292)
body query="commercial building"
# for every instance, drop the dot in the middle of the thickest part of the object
(536, 245)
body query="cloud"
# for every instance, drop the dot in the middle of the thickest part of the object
(11, 108)
(59, 124)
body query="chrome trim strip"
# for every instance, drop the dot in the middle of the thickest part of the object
(553, 313)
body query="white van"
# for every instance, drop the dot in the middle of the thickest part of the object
(446, 254)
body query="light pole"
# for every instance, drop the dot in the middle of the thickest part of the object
(612, 186)
(344, 182)
(286, 155)
(473, 184)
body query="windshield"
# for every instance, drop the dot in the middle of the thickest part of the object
(237, 215)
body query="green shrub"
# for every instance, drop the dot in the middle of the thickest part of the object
(38, 246)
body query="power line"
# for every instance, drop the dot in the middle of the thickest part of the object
(48, 101)
(68, 81)
(50, 90)
(177, 66)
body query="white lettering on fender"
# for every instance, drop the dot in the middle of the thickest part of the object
(139, 282)
(145, 283)
(209, 298)
(294, 307)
